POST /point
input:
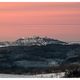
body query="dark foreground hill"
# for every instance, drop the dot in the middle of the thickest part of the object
(26, 59)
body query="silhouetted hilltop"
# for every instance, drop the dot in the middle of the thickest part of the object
(39, 41)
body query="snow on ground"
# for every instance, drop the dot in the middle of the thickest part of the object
(51, 75)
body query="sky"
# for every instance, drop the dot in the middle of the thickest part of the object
(55, 20)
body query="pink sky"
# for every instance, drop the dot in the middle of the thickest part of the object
(56, 20)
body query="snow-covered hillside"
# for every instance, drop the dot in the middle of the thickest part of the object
(50, 75)
(32, 41)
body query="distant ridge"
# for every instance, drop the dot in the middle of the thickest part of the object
(74, 42)
(35, 40)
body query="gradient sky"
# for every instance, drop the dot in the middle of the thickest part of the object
(56, 20)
